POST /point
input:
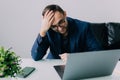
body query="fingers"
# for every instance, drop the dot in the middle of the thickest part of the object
(49, 15)
(64, 57)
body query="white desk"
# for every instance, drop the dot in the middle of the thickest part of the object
(45, 71)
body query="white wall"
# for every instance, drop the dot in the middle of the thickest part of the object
(20, 19)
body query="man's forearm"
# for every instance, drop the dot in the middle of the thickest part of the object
(39, 48)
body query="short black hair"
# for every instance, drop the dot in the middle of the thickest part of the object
(54, 8)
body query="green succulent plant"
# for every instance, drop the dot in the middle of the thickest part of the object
(9, 63)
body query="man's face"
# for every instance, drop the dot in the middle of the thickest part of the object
(59, 23)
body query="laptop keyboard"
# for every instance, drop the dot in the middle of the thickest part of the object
(60, 70)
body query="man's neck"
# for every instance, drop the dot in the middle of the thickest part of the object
(65, 34)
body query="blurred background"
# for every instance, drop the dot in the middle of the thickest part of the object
(20, 19)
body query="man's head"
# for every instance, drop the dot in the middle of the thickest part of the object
(59, 22)
(54, 8)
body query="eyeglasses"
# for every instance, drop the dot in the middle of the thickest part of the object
(60, 24)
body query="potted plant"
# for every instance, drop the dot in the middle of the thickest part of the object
(9, 63)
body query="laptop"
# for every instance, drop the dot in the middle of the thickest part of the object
(88, 64)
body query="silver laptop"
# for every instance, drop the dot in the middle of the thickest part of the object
(88, 64)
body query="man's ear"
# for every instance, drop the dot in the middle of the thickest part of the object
(65, 14)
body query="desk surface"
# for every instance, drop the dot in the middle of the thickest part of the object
(45, 71)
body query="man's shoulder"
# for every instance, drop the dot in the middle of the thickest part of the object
(76, 20)
(78, 23)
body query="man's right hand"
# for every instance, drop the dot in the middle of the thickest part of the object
(64, 57)
(46, 22)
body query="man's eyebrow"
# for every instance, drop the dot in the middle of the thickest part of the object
(61, 20)
(58, 22)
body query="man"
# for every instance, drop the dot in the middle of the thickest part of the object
(62, 35)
